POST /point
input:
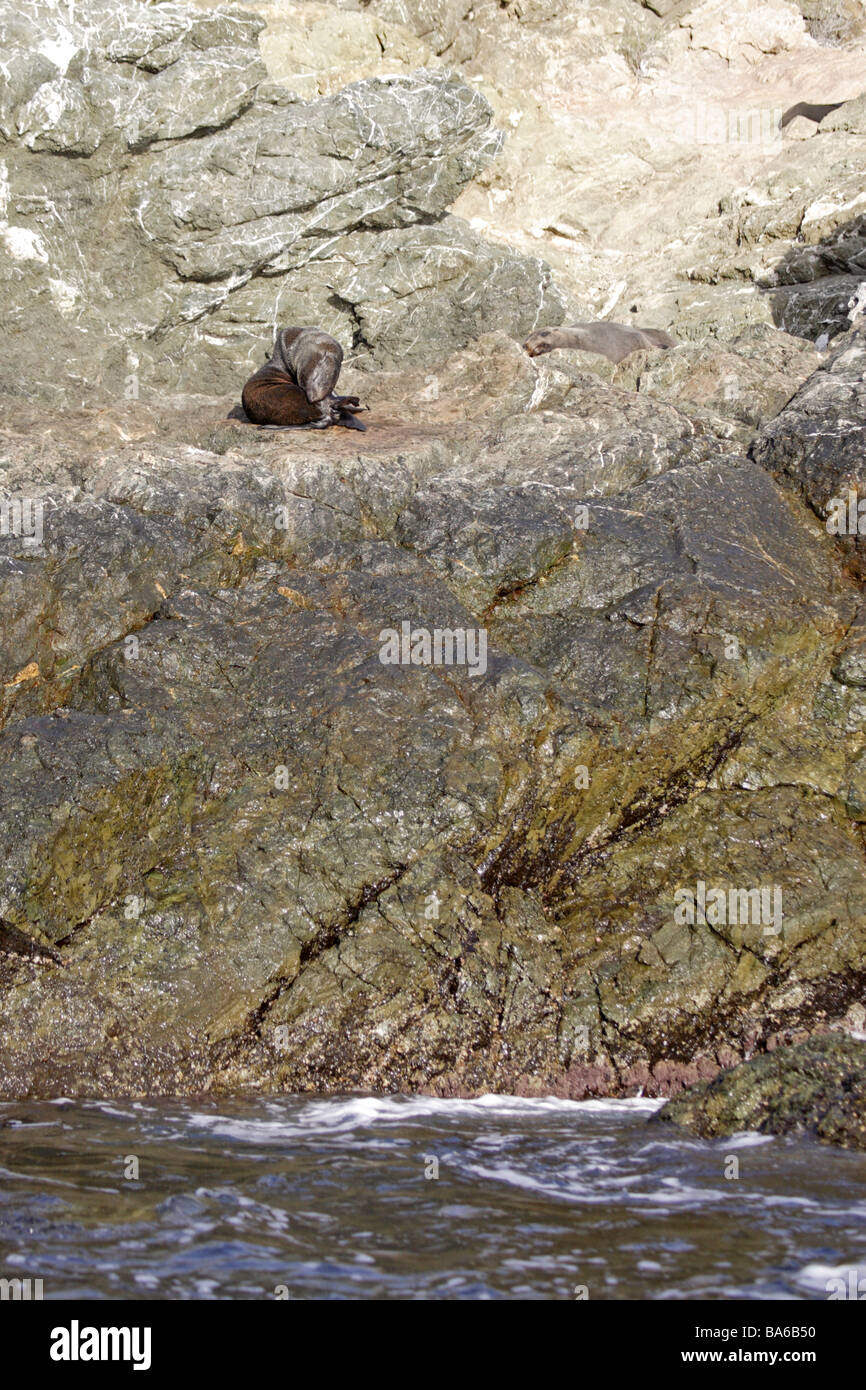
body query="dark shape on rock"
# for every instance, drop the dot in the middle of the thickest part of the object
(612, 340)
(295, 386)
(817, 1087)
(14, 942)
(810, 111)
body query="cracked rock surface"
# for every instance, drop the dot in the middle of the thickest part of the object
(240, 851)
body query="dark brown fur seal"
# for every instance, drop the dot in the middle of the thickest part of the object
(295, 387)
(613, 340)
(810, 111)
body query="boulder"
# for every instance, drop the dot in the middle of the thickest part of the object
(817, 1088)
(817, 444)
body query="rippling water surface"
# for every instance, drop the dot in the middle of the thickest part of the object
(332, 1198)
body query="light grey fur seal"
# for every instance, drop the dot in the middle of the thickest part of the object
(612, 340)
(295, 387)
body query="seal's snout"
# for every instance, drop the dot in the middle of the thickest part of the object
(538, 342)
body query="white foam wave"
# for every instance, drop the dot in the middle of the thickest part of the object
(329, 1114)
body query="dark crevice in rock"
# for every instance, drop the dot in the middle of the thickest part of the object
(554, 874)
(27, 945)
(347, 307)
(328, 937)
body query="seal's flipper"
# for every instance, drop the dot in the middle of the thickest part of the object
(351, 422)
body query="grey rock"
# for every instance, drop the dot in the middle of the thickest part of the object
(817, 307)
(851, 117)
(195, 177)
(26, 72)
(153, 39)
(59, 118)
(833, 21)
(818, 443)
(197, 93)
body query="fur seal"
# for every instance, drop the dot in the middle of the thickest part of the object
(295, 387)
(613, 340)
(810, 111)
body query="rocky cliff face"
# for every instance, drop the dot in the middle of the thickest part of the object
(258, 831)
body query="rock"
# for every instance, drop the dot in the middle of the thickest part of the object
(317, 48)
(246, 844)
(337, 871)
(744, 382)
(600, 116)
(816, 1088)
(58, 118)
(810, 287)
(154, 40)
(800, 128)
(491, 378)
(660, 7)
(739, 31)
(818, 444)
(197, 93)
(417, 295)
(833, 21)
(201, 191)
(440, 23)
(817, 308)
(851, 117)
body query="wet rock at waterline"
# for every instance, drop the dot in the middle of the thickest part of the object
(817, 1087)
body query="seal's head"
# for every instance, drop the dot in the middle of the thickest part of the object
(316, 358)
(311, 357)
(540, 342)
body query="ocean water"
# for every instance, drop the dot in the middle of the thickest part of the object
(407, 1197)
